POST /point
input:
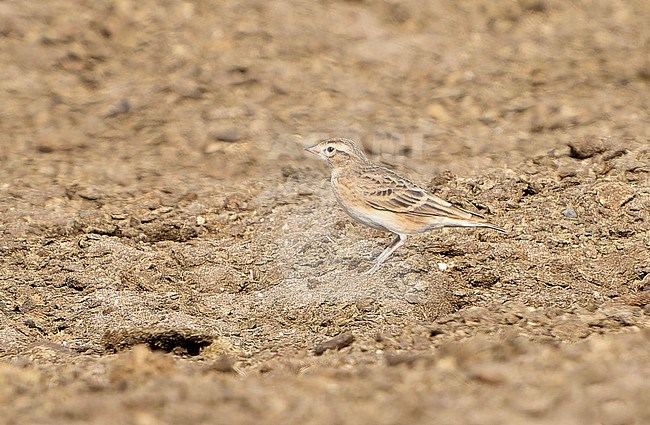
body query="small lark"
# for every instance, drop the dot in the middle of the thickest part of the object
(384, 200)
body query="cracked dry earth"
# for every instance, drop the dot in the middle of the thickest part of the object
(169, 255)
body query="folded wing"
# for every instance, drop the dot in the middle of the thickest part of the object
(400, 195)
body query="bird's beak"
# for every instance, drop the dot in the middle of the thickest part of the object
(312, 149)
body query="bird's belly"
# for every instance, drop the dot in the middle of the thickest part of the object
(369, 219)
(386, 220)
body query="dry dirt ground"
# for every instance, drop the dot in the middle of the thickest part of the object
(168, 254)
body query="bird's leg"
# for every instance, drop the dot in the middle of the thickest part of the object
(399, 241)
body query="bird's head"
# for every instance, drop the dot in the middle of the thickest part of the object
(338, 152)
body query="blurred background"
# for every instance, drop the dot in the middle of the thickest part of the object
(117, 91)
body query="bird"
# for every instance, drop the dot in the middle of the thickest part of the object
(384, 200)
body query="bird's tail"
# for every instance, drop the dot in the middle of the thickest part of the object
(484, 224)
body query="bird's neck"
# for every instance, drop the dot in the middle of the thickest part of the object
(346, 170)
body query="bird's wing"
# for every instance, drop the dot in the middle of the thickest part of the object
(388, 191)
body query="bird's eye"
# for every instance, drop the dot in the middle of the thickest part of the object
(329, 149)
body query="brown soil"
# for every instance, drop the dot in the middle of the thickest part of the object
(168, 254)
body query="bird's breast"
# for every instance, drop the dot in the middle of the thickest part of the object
(355, 205)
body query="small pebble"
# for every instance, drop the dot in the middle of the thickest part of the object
(569, 213)
(413, 298)
(229, 136)
(336, 343)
